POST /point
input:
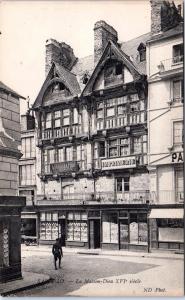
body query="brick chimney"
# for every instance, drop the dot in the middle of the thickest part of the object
(59, 53)
(164, 15)
(103, 32)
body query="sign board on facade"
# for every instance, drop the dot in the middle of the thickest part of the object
(118, 163)
(64, 167)
(177, 157)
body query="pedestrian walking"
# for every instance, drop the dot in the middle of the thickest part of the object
(57, 253)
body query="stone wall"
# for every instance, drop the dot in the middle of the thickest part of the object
(9, 141)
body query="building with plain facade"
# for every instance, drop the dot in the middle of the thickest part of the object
(27, 177)
(10, 204)
(92, 139)
(165, 56)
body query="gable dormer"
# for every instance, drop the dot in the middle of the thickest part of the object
(114, 68)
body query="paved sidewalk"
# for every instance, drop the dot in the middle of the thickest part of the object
(29, 280)
(157, 254)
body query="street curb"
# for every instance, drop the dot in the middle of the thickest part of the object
(24, 288)
(133, 255)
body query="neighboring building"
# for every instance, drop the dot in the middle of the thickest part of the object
(165, 56)
(27, 176)
(10, 204)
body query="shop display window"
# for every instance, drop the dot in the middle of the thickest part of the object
(49, 228)
(77, 226)
(110, 228)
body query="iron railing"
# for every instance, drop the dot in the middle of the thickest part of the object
(171, 63)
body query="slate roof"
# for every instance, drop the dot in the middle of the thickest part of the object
(69, 79)
(169, 33)
(5, 88)
(86, 64)
(130, 48)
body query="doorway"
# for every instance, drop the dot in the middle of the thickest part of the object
(94, 234)
(62, 224)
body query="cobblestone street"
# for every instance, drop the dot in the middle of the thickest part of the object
(96, 275)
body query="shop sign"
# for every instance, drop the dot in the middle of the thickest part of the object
(177, 157)
(118, 163)
(64, 167)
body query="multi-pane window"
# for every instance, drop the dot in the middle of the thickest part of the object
(27, 175)
(57, 119)
(77, 226)
(75, 116)
(69, 154)
(60, 155)
(119, 147)
(49, 228)
(48, 120)
(178, 51)
(137, 145)
(177, 133)
(80, 155)
(177, 90)
(113, 148)
(28, 147)
(123, 184)
(110, 112)
(66, 117)
(179, 185)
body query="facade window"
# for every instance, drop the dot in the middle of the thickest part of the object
(177, 133)
(113, 149)
(122, 184)
(80, 155)
(110, 112)
(57, 119)
(110, 227)
(137, 145)
(121, 109)
(119, 68)
(102, 149)
(27, 175)
(28, 147)
(60, 155)
(178, 52)
(69, 154)
(66, 117)
(49, 229)
(75, 116)
(178, 90)
(77, 226)
(48, 120)
(179, 185)
(119, 147)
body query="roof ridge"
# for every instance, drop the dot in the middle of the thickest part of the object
(60, 65)
(139, 36)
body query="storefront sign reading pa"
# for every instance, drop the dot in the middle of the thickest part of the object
(118, 163)
(177, 157)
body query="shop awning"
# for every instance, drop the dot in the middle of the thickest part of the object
(28, 216)
(167, 213)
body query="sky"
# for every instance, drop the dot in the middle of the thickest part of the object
(26, 25)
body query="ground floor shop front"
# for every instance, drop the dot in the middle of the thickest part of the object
(135, 228)
(95, 227)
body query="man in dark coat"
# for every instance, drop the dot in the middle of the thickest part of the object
(57, 253)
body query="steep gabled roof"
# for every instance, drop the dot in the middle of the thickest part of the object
(68, 78)
(119, 54)
(130, 48)
(5, 88)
